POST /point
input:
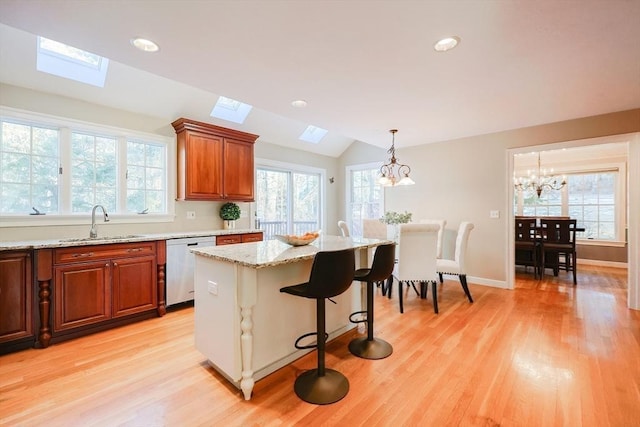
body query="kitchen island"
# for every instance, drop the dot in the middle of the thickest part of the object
(243, 324)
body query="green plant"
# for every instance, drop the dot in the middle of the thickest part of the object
(391, 217)
(230, 211)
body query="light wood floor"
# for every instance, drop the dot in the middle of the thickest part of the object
(545, 354)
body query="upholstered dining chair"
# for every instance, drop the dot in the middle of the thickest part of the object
(417, 249)
(374, 229)
(457, 266)
(344, 228)
(442, 224)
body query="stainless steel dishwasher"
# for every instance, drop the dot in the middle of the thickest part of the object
(180, 265)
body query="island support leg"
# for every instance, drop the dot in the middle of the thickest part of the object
(247, 297)
(246, 344)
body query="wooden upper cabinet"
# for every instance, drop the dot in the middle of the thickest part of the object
(214, 163)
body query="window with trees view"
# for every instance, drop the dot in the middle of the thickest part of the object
(365, 197)
(59, 169)
(288, 201)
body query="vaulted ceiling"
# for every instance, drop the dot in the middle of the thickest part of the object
(363, 67)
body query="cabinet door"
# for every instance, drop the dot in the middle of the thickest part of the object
(16, 320)
(82, 295)
(134, 285)
(251, 237)
(203, 169)
(238, 170)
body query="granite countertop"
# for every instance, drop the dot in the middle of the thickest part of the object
(105, 240)
(270, 253)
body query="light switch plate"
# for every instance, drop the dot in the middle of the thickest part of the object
(212, 287)
(494, 214)
(191, 215)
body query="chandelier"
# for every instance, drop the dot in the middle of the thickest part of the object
(394, 173)
(543, 180)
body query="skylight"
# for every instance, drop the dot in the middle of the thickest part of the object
(313, 134)
(230, 110)
(71, 63)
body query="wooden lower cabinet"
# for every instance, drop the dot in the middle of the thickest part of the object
(133, 286)
(82, 295)
(16, 301)
(230, 239)
(90, 288)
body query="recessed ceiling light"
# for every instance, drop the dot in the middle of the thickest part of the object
(145, 45)
(446, 43)
(299, 103)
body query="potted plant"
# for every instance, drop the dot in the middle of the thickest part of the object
(229, 212)
(394, 219)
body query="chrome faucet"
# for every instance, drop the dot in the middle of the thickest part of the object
(94, 231)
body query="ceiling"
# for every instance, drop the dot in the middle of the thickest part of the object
(364, 67)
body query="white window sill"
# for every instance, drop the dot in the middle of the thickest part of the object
(80, 219)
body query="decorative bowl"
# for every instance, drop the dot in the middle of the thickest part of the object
(293, 240)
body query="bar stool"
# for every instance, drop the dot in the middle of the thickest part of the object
(381, 270)
(331, 274)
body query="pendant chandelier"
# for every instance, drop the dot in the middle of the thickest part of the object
(394, 173)
(544, 180)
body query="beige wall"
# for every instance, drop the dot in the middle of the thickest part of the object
(464, 179)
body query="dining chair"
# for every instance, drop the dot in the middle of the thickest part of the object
(441, 223)
(344, 228)
(417, 249)
(457, 266)
(374, 229)
(527, 245)
(559, 239)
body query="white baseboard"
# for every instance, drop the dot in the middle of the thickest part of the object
(487, 282)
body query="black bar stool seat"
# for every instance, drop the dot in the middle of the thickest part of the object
(331, 274)
(381, 270)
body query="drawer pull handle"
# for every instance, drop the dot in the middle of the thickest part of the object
(83, 255)
(135, 249)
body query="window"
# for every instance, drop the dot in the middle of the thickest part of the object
(594, 198)
(93, 172)
(146, 177)
(365, 197)
(71, 63)
(62, 168)
(288, 201)
(29, 161)
(592, 202)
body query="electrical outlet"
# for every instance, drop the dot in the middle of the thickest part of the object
(212, 287)
(191, 215)
(494, 214)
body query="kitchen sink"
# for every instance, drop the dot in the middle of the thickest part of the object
(101, 238)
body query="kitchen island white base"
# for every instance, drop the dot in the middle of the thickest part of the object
(247, 328)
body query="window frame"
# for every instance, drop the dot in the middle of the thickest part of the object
(620, 199)
(296, 168)
(66, 127)
(348, 182)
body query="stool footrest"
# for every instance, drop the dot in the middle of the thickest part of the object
(304, 347)
(363, 320)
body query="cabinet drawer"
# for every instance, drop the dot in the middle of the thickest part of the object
(251, 237)
(107, 251)
(228, 240)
